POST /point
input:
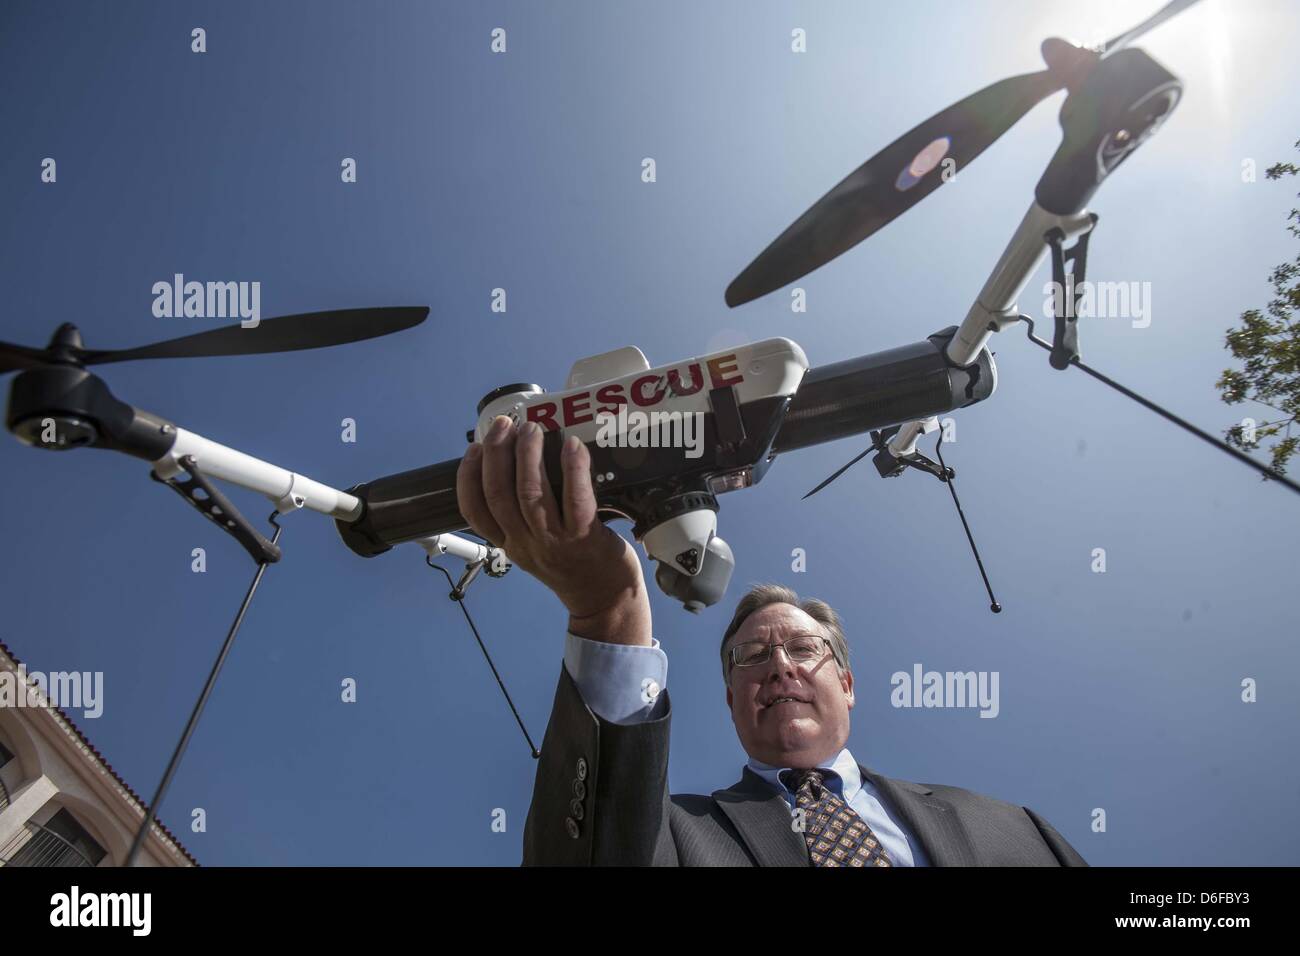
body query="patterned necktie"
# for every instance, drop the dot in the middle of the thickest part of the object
(835, 834)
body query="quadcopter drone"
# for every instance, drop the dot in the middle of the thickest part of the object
(755, 402)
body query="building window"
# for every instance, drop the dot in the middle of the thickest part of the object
(60, 841)
(65, 825)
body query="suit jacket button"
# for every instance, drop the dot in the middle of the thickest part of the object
(575, 807)
(579, 789)
(582, 768)
(571, 825)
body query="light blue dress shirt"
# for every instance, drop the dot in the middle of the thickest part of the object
(622, 684)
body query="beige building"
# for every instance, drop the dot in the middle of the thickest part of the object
(61, 803)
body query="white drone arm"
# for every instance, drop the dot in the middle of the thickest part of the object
(287, 489)
(997, 305)
(290, 491)
(904, 443)
(458, 547)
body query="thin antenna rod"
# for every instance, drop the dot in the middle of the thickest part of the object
(1241, 456)
(152, 810)
(460, 599)
(994, 606)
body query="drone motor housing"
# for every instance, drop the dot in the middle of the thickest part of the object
(1120, 104)
(83, 412)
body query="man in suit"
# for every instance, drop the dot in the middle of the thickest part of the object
(601, 791)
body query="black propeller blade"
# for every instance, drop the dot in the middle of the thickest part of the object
(878, 439)
(912, 167)
(838, 473)
(286, 333)
(1170, 9)
(13, 357)
(891, 182)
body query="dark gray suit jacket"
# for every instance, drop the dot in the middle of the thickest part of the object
(601, 798)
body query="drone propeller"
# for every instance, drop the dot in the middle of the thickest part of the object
(890, 183)
(1170, 9)
(13, 357)
(878, 439)
(904, 172)
(287, 333)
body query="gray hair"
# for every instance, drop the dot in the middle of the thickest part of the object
(761, 595)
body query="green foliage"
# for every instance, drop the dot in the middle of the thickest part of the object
(1268, 343)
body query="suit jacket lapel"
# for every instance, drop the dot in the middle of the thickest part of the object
(932, 819)
(764, 820)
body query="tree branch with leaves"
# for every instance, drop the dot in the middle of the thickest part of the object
(1268, 343)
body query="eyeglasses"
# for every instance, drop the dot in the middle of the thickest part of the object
(800, 650)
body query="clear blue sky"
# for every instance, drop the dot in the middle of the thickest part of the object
(1118, 690)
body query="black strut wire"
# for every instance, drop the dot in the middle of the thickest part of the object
(1241, 456)
(190, 726)
(949, 480)
(459, 597)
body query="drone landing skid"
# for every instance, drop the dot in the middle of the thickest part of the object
(1069, 289)
(894, 455)
(213, 505)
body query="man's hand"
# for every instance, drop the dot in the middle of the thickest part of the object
(506, 498)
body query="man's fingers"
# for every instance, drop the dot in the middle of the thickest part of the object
(536, 500)
(469, 495)
(579, 499)
(499, 477)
